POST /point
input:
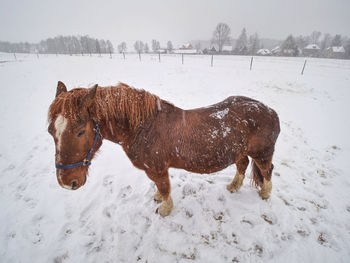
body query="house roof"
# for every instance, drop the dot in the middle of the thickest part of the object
(276, 49)
(264, 51)
(227, 48)
(337, 49)
(186, 46)
(312, 47)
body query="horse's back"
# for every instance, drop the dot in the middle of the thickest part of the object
(244, 121)
(211, 138)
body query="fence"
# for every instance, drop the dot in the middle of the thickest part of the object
(251, 63)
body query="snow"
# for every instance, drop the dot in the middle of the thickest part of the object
(112, 217)
(219, 114)
(263, 52)
(312, 46)
(184, 51)
(227, 48)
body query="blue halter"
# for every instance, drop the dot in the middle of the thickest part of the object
(86, 161)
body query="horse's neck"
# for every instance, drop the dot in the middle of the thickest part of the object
(118, 131)
(114, 131)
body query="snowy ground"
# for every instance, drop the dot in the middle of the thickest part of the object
(112, 218)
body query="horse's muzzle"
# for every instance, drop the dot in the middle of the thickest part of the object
(71, 184)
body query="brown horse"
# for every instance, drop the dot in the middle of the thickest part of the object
(157, 135)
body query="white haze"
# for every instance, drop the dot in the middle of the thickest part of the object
(178, 21)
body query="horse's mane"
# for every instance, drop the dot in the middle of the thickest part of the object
(119, 102)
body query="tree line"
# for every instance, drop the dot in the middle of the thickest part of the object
(141, 47)
(223, 43)
(291, 46)
(61, 45)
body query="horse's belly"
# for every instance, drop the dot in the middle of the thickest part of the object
(205, 161)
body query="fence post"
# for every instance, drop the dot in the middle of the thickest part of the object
(302, 72)
(212, 58)
(182, 58)
(159, 56)
(37, 54)
(251, 63)
(14, 54)
(124, 55)
(110, 54)
(139, 55)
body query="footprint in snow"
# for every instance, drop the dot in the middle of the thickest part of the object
(30, 202)
(269, 218)
(246, 222)
(61, 258)
(109, 211)
(187, 190)
(9, 168)
(125, 192)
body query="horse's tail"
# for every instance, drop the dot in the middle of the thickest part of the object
(257, 177)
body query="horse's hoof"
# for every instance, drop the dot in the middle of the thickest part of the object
(231, 188)
(264, 196)
(165, 208)
(162, 212)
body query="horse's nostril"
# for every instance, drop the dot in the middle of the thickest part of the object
(74, 184)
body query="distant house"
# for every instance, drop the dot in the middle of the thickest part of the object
(227, 49)
(276, 51)
(264, 52)
(312, 50)
(210, 50)
(186, 46)
(162, 51)
(335, 52)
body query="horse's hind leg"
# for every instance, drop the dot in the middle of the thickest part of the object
(237, 181)
(262, 171)
(163, 192)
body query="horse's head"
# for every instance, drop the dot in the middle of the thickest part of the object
(76, 134)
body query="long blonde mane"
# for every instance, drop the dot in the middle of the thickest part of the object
(113, 103)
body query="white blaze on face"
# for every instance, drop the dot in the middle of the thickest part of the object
(60, 126)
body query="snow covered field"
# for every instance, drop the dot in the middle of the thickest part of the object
(112, 218)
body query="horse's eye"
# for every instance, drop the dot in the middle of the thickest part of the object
(81, 133)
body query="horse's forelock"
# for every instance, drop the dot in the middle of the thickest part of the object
(68, 105)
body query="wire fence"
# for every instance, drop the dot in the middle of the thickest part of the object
(299, 65)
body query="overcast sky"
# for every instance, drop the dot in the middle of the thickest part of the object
(176, 20)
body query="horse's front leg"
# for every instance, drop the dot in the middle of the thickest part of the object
(163, 193)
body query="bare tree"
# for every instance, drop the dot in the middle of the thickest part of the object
(170, 46)
(315, 36)
(155, 45)
(198, 47)
(98, 48)
(336, 41)
(146, 48)
(221, 35)
(254, 43)
(122, 47)
(110, 48)
(289, 47)
(139, 46)
(326, 42)
(302, 41)
(242, 42)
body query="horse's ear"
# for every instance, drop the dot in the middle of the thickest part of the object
(88, 98)
(60, 88)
